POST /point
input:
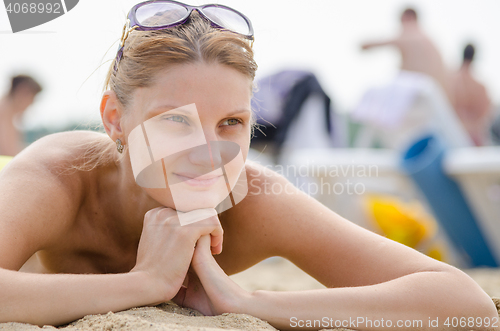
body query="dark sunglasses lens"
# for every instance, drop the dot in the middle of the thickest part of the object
(228, 19)
(159, 14)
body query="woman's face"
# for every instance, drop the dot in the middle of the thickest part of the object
(189, 134)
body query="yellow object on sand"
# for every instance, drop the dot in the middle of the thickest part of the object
(405, 222)
(4, 160)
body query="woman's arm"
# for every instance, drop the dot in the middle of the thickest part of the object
(368, 275)
(61, 298)
(165, 252)
(419, 301)
(410, 302)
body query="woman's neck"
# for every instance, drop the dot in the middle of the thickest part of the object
(128, 200)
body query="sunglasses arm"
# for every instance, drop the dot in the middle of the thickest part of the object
(126, 31)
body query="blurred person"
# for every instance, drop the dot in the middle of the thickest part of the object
(418, 52)
(471, 101)
(20, 96)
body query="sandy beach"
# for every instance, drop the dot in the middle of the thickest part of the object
(275, 274)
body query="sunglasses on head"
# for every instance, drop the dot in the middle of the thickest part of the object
(164, 14)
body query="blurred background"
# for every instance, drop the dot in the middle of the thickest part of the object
(70, 55)
(424, 181)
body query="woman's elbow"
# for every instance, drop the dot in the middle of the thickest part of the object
(470, 302)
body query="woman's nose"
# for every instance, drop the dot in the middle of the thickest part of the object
(208, 155)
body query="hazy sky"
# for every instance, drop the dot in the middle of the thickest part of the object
(70, 55)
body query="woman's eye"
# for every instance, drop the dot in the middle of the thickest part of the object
(175, 118)
(231, 121)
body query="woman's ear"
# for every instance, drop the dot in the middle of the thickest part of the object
(111, 115)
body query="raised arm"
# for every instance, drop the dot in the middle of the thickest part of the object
(370, 45)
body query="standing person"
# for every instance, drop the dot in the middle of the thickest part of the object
(418, 52)
(471, 101)
(79, 235)
(22, 92)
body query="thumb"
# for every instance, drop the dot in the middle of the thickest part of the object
(202, 253)
(221, 290)
(204, 264)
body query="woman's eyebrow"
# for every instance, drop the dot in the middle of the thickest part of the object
(239, 111)
(166, 108)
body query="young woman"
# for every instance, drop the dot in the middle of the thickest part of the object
(79, 236)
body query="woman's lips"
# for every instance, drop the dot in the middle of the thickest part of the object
(194, 180)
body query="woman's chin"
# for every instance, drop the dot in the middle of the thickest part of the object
(197, 200)
(187, 200)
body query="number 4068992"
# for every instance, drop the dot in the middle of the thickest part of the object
(33, 8)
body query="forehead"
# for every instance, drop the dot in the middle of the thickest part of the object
(209, 86)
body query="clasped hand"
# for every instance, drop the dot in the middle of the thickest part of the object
(179, 264)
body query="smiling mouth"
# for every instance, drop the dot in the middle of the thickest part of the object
(200, 181)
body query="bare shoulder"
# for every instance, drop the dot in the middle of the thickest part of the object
(51, 157)
(39, 198)
(57, 148)
(271, 206)
(259, 177)
(62, 145)
(266, 186)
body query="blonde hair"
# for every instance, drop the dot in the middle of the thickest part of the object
(148, 52)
